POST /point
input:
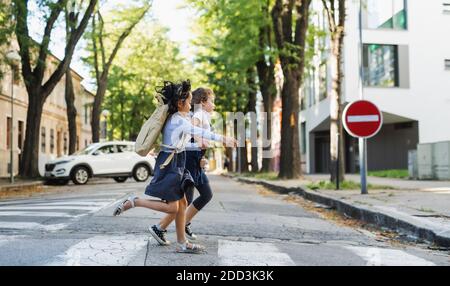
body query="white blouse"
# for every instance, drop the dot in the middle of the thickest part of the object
(177, 126)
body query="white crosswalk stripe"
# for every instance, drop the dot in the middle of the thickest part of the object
(388, 257)
(240, 253)
(102, 251)
(22, 211)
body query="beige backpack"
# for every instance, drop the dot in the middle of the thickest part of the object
(152, 128)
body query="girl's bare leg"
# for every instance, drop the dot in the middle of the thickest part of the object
(190, 213)
(167, 220)
(180, 220)
(169, 208)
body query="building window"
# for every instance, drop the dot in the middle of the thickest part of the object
(43, 139)
(385, 14)
(8, 132)
(446, 8)
(380, 63)
(447, 64)
(21, 134)
(303, 138)
(52, 141)
(78, 143)
(65, 143)
(86, 114)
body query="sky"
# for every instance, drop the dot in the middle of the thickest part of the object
(170, 13)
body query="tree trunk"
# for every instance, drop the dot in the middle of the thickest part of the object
(267, 88)
(30, 156)
(291, 45)
(336, 113)
(71, 113)
(336, 130)
(243, 158)
(122, 118)
(290, 160)
(251, 108)
(97, 110)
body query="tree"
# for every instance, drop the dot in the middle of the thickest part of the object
(33, 71)
(235, 39)
(290, 21)
(71, 19)
(106, 43)
(6, 30)
(336, 24)
(266, 78)
(146, 59)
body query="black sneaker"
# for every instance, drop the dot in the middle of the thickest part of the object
(189, 233)
(158, 235)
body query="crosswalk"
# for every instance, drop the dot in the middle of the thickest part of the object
(35, 214)
(120, 249)
(132, 249)
(102, 251)
(232, 253)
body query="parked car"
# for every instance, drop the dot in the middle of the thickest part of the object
(115, 160)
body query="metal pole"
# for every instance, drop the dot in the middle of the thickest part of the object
(362, 142)
(363, 164)
(337, 162)
(11, 133)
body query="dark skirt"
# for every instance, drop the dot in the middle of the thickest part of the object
(170, 183)
(193, 165)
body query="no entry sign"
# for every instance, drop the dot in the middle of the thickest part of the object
(362, 119)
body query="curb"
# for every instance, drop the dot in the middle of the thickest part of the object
(32, 186)
(360, 213)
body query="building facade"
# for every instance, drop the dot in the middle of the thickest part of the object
(406, 73)
(54, 131)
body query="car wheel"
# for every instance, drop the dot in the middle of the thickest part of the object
(141, 173)
(80, 175)
(120, 179)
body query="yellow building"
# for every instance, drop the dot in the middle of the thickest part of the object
(54, 131)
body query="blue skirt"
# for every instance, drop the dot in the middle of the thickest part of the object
(193, 165)
(172, 182)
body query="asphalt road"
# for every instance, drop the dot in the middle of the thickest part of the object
(243, 225)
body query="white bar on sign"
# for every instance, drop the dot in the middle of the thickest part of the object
(363, 118)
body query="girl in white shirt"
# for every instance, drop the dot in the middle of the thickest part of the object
(203, 100)
(170, 183)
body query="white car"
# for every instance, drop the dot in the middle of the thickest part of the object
(115, 160)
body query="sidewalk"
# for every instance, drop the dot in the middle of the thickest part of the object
(19, 186)
(421, 212)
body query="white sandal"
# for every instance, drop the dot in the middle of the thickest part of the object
(121, 207)
(188, 247)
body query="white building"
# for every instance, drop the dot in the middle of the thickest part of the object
(54, 133)
(406, 60)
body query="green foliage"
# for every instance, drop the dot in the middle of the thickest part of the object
(146, 59)
(6, 30)
(229, 47)
(271, 176)
(395, 173)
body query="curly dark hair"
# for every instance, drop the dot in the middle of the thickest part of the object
(173, 92)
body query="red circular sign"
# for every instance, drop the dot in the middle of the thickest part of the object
(362, 119)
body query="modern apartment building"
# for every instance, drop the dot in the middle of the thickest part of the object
(54, 134)
(406, 73)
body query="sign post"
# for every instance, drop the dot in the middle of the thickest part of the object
(362, 119)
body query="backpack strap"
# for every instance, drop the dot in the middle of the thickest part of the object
(180, 146)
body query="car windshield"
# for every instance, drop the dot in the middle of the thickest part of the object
(87, 150)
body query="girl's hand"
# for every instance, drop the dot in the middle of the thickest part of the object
(229, 141)
(204, 144)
